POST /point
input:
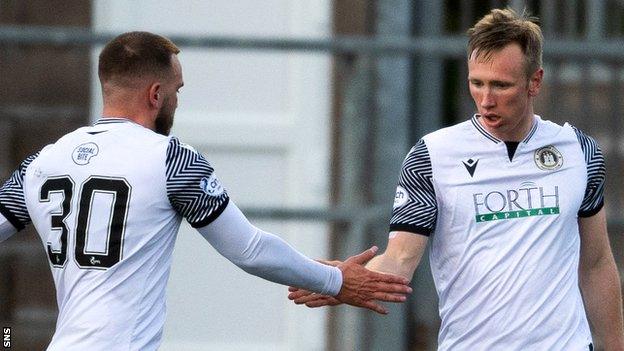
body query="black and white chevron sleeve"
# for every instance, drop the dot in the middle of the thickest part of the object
(12, 203)
(596, 174)
(193, 189)
(415, 209)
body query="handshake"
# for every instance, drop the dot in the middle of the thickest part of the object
(360, 287)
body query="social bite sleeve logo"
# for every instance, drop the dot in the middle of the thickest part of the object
(83, 153)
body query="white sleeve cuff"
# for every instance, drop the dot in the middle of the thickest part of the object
(334, 284)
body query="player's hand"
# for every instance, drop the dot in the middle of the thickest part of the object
(333, 263)
(311, 299)
(391, 288)
(362, 287)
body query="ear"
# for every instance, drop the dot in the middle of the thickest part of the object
(155, 97)
(535, 82)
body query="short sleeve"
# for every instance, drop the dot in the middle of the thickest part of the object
(415, 208)
(193, 189)
(12, 202)
(593, 200)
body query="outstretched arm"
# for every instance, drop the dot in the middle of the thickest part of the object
(269, 257)
(600, 282)
(13, 212)
(266, 255)
(195, 192)
(401, 258)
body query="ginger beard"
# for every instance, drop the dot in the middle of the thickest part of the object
(164, 118)
(171, 87)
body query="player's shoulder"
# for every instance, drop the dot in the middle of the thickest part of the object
(567, 134)
(558, 132)
(175, 146)
(116, 140)
(451, 131)
(455, 134)
(582, 136)
(179, 153)
(589, 145)
(175, 142)
(54, 146)
(550, 129)
(444, 136)
(554, 131)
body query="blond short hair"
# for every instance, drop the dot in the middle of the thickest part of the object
(502, 27)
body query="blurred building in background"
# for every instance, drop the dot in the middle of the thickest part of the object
(307, 135)
(44, 94)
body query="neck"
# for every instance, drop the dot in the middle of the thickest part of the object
(135, 116)
(130, 107)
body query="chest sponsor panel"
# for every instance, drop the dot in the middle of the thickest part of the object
(527, 200)
(510, 191)
(517, 214)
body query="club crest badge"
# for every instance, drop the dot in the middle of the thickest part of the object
(548, 158)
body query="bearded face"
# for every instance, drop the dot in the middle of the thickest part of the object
(164, 118)
(170, 88)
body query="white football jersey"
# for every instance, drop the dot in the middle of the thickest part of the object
(504, 232)
(107, 201)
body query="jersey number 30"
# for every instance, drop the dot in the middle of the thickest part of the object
(118, 188)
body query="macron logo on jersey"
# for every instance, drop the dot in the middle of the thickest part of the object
(527, 201)
(471, 165)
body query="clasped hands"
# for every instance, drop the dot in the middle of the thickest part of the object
(360, 287)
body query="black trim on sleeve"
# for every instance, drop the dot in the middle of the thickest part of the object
(214, 215)
(192, 187)
(12, 196)
(418, 206)
(11, 218)
(411, 228)
(585, 214)
(596, 173)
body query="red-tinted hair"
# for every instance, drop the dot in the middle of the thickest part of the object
(135, 55)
